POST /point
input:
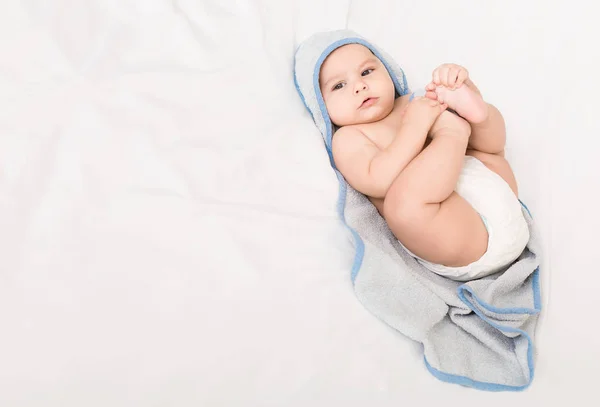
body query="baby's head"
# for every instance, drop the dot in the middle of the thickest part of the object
(356, 86)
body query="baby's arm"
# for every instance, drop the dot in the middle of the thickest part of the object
(371, 170)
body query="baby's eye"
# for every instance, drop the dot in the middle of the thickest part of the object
(338, 86)
(367, 71)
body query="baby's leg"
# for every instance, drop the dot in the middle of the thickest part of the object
(423, 211)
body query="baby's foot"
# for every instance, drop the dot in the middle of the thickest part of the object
(464, 101)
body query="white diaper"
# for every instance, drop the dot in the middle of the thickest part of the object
(502, 214)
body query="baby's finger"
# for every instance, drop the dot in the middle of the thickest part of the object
(443, 76)
(431, 95)
(452, 76)
(430, 86)
(463, 74)
(436, 77)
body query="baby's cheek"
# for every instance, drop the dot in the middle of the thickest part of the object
(335, 112)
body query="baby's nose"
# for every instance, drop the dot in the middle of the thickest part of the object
(360, 86)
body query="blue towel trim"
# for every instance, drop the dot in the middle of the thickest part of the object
(360, 245)
(505, 311)
(493, 386)
(465, 381)
(300, 93)
(537, 302)
(526, 208)
(537, 299)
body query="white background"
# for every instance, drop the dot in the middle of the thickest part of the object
(168, 232)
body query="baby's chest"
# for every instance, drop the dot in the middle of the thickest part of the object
(380, 134)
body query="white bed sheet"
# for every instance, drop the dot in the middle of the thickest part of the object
(168, 233)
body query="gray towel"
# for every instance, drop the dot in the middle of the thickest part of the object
(479, 333)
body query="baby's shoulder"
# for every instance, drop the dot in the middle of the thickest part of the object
(348, 134)
(349, 138)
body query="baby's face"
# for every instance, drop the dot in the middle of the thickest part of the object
(356, 87)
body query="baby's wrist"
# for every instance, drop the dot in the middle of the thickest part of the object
(413, 125)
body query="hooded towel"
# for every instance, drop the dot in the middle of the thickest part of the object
(479, 333)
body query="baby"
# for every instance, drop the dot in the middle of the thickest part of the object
(407, 154)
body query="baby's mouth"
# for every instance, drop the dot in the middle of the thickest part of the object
(368, 102)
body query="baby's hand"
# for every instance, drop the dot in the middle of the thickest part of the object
(423, 111)
(451, 76)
